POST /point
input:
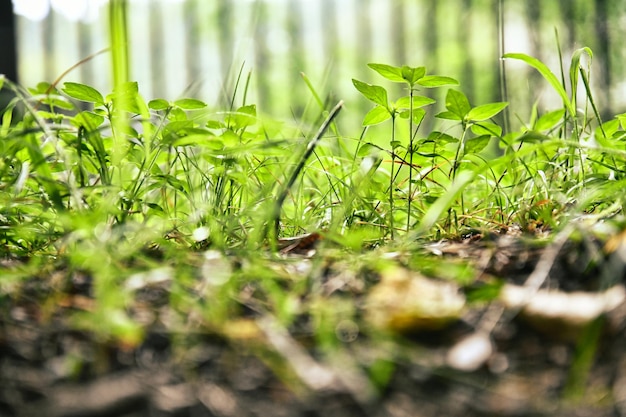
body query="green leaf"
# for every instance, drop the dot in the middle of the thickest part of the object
(573, 70)
(412, 75)
(388, 71)
(418, 101)
(155, 207)
(2, 79)
(88, 120)
(193, 140)
(485, 111)
(177, 114)
(418, 116)
(608, 130)
(486, 128)
(441, 205)
(190, 104)
(158, 104)
(83, 93)
(125, 96)
(43, 88)
(215, 124)
(374, 93)
(532, 136)
(57, 101)
(448, 115)
(367, 149)
(175, 130)
(457, 103)
(375, 116)
(244, 116)
(441, 138)
(477, 144)
(549, 120)
(431, 81)
(547, 74)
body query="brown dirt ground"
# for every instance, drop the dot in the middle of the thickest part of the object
(540, 367)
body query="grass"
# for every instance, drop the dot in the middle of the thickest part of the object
(136, 194)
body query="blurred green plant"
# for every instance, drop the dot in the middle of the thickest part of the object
(162, 197)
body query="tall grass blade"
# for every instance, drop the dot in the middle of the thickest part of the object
(307, 153)
(548, 75)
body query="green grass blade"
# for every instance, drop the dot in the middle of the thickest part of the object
(548, 75)
(435, 211)
(573, 70)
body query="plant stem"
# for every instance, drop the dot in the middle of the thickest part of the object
(119, 64)
(118, 33)
(410, 196)
(294, 175)
(391, 176)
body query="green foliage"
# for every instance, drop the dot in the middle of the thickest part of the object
(131, 192)
(189, 167)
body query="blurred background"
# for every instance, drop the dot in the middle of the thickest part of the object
(198, 47)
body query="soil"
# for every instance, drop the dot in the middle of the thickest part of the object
(548, 365)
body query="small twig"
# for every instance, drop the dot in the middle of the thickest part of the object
(307, 153)
(532, 284)
(73, 67)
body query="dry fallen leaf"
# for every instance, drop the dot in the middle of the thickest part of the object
(406, 301)
(561, 314)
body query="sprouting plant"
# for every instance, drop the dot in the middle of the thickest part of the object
(408, 107)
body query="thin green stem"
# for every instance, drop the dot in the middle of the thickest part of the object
(118, 32)
(391, 176)
(410, 196)
(119, 62)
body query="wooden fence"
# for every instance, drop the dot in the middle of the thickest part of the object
(197, 47)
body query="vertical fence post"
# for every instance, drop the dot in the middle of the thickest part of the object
(8, 63)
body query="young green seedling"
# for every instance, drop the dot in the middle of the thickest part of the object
(409, 107)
